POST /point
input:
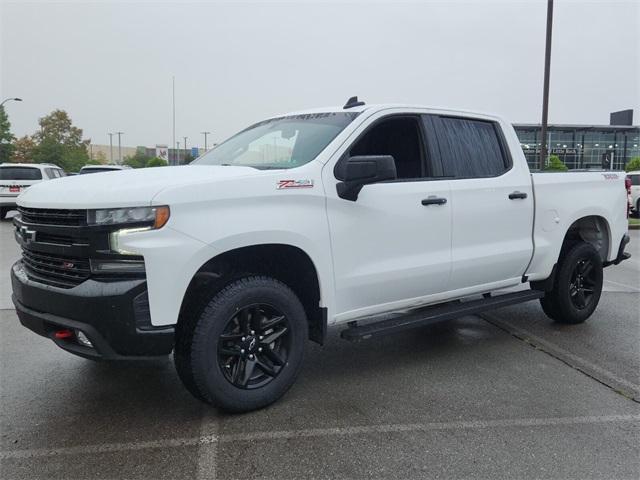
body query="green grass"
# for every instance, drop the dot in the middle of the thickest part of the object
(634, 221)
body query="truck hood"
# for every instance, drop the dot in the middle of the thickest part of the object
(123, 188)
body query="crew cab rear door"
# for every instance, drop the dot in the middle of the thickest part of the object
(492, 201)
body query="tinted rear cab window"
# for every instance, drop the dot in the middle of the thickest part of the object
(20, 173)
(470, 148)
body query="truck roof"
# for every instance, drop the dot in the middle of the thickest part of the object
(32, 165)
(385, 106)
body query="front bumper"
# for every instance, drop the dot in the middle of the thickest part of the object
(8, 202)
(114, 315)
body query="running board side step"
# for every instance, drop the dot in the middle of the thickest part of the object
(436, 314)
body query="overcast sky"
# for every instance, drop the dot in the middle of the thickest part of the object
(109, 64)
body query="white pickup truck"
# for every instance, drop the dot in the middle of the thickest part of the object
(335, 216)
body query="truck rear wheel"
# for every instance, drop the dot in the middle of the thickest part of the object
(246, 348)
(577, 286)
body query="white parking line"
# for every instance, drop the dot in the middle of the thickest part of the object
(596, 371)
(207, 456)
(213, 439)
(635, 289)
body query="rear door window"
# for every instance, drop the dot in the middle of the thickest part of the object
(470, 148)
(635, 179)
(20, 173)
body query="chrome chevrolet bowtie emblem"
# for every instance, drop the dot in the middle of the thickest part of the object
(27, 235)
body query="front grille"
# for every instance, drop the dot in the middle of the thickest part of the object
(49, 216)
(56, 270)
(44, 237)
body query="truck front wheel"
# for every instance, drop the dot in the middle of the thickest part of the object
(246, 348)
(577, 286)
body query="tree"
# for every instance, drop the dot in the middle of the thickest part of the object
(101, 158)
(60, 142)
(57, 126)
(157, 162)
(23, 150)
(6, 137)
(555, 165)
(633, 165)
(139, 160)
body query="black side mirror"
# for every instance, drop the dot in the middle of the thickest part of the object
(356, 172)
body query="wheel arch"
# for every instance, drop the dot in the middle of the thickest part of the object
(593, 229)
(287, 263)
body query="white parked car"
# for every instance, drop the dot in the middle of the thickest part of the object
(102, 168)
(17, 177)
(334, 217)
(635, 191)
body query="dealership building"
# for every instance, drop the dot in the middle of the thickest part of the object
(582, 146)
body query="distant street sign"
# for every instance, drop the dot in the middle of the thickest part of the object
(162, 151)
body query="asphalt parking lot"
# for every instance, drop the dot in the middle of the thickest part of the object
(505, 395)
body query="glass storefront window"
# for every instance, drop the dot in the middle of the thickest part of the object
(583, 147)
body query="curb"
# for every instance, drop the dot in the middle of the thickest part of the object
(635, 226)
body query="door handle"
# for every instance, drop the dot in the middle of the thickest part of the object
(516, 195)
(433, 200)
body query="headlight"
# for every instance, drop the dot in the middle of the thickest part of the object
(153, 217)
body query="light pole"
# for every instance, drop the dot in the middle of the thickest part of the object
(545, 90)
(110, 147)
(185, 145)
(173, 96)
(119, 147)
(177, 158)
(205, 140)
(16, 99)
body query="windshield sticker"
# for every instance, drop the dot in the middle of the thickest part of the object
(306, 183)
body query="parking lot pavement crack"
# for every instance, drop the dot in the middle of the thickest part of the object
(609, 379)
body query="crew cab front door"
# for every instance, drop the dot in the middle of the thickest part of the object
(392, 246)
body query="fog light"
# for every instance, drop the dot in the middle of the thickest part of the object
(117, 266)
(82, 339)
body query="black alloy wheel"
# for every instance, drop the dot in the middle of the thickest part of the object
(577, 285)
(254, 346)
(582, 285)
(246, 347)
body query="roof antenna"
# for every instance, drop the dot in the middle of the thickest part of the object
(353, 102)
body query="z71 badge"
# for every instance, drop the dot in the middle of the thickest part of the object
(306, 183)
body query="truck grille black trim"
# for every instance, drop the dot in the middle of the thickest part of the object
(61, 239)
(49, 216)
(55, 270)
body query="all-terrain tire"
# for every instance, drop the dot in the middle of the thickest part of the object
(198, 348)
(577, 286)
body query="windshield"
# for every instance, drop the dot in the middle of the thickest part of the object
(284, 142)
